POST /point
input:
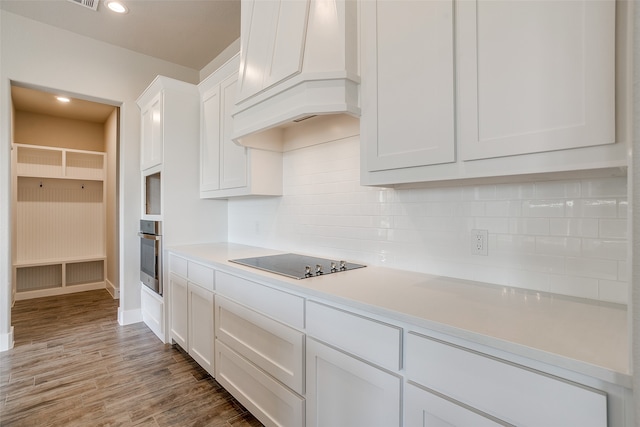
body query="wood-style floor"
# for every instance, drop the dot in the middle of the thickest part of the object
(73, 365)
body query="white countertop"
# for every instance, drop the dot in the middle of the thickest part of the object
(584, 336)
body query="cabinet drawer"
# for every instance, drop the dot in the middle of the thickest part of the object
(178, 265)
(272, 346)
(201, 275)
(276, 304)
(270, 402)
(370, 339)
(512, 393)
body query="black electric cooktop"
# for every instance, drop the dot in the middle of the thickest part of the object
(297, 266)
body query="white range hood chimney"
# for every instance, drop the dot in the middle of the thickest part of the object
(299, 58)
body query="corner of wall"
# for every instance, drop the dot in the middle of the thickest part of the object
(219, 60)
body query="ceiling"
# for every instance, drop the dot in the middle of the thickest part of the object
(36, 101)
(190, 33)
(185, 32)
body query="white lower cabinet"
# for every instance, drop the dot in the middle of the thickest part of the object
(191, 310)
(259, 351)
(343, 391)
(512, 393)
(425, 408)
(351, 360)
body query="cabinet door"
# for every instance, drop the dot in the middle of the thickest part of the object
(151, 141)
(423, 408)
(201, 326)
(346, 392)
(534, 76)
(272, 43)
(233, 167)
(178, 316)
(407, 83)
(210, 141)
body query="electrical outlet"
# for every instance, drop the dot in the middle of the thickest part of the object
(479, 242)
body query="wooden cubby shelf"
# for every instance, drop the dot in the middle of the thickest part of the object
(52, 162)
(59, 220)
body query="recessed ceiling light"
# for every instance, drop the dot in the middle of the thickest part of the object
(63, 99)
(116, 6)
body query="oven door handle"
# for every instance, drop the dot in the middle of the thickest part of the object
(149, 236)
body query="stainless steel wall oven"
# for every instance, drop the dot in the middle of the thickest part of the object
(151, 254)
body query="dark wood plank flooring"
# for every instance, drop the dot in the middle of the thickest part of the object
(73, 365)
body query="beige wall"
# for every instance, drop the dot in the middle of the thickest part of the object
(40, 129)
(111, 129)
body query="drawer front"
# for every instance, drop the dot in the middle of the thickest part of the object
(268, 400)
(272, 346)
(201, 275)
(512, 393)
(276, 304)
(178, 265)
(372, 340)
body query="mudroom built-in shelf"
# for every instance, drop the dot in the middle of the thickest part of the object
(60, 217)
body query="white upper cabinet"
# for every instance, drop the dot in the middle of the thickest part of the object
(228, 169)
(298, 59)
(151, 139)
(408, 111)
(535, 76)
(460, 89)
(223, 163)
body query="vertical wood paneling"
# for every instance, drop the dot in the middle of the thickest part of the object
(85, 165)
(60, 219)
(32, 161)
(40, 277)
(84, 272)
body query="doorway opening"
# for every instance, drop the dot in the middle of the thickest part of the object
(64, 205)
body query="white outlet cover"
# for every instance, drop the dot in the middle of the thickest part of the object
(479, 242)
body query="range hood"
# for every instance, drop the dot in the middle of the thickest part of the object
(299, 59)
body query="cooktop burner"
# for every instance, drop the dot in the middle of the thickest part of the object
(297, 266)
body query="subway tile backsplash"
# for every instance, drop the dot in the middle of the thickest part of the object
(567, 237)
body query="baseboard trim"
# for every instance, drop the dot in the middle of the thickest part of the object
(129, 317)
(112, 289)
(59, 291)
(6, 340)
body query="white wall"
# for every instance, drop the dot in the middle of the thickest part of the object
(566, 237)
(47, 57)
